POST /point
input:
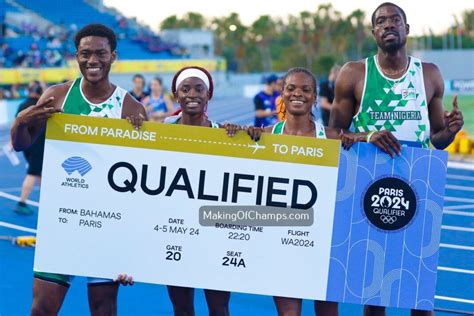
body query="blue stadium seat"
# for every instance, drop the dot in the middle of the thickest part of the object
(80, 13)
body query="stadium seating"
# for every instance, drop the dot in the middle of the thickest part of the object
(80, 13)
(5, 6)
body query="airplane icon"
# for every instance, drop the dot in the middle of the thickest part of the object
(256, 147)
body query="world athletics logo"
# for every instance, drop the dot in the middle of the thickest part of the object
(78, 164)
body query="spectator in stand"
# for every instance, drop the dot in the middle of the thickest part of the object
(6, 55)
(54, 43)
(57, 40)
(3, 26)
(138, 91)
(52, 58)
(33, 57)
(19, 59)
(122, 25)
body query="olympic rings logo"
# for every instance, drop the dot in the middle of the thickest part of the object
(386, 219)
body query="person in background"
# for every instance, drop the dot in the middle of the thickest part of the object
(326, 93)
(280, 105)
(33, 154)
(158, 104)
(138, 90)
(265, 107)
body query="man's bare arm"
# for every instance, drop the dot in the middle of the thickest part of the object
(443, 125)
(344, 104)
(134, 111)
(30, 122)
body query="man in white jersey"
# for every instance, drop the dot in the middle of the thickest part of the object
(91, 95)
(392, 98)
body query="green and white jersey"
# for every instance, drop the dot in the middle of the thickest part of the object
(397, 105)
(77, 103)
(320, 132)
(173, 119)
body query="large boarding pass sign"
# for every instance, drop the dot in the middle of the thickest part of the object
(154, 203)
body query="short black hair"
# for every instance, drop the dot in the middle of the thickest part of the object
(386, 4)
(35, 87)
(293, 71)
(296, 70)
(271, 79)
(160, 81)
(96, 30)
(140, 76)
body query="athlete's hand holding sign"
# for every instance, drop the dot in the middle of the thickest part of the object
(386, 141)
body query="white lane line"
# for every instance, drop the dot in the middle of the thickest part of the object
(456, 199)
(17, 189)
(456, 270)
(459, 247)
(460, 207)
(459, 187)
(459, 177)
(454, 299)
(460, 213)
(461, 165)
(458, 228)
(18, 227)
(16, 198)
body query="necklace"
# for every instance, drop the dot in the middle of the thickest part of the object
(392, 82)
(388, 73)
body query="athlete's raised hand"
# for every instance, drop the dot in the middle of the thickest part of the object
(124, 279)
(37, 113)
(454, 120)
(136, 120)
(386, 142)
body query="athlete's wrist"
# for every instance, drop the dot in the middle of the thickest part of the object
(369, 136)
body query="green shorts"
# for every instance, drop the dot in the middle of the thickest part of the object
(65, 280)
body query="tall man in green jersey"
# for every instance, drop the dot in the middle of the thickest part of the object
(392, 98)
(91, 95)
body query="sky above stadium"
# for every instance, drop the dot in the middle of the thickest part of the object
(422, 15)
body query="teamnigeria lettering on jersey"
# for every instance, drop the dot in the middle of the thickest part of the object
(396, 105)
(396, 115)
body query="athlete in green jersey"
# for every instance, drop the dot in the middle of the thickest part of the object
(397, 105)
(393, 98)
(93, 95)
(299, 92)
